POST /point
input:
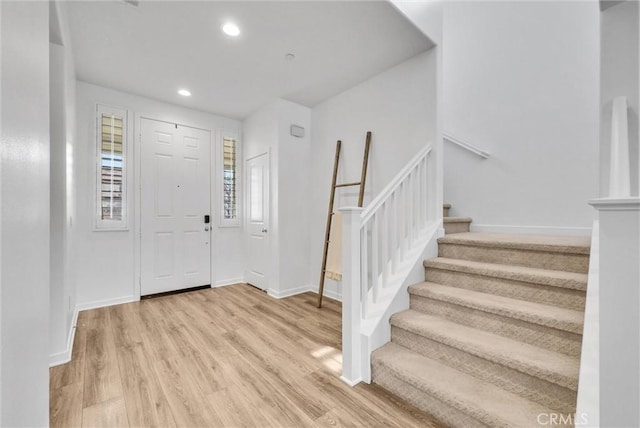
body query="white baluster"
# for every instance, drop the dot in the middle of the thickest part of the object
(364, 276)
(425, 192)
(421, 210)
(375, 254)
(385, 243)
(396, 230)
(416, 198)
(411, 207)
(403, 219)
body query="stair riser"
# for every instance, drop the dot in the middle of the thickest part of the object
(534, 334)
(445, 413)
(529, 386)
(458, 227)
(537, 259)
(538, 293)
(445, 212)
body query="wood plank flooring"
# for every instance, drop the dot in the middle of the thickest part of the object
(223, 357)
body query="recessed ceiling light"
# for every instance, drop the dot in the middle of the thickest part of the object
(290, 57)
(184, 93)
(231, 29)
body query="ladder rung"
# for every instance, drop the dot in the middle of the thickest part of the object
(348, 184)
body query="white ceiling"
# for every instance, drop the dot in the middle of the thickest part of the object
(159, 47)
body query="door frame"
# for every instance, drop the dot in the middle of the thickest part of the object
(137, 180)
(245, 223)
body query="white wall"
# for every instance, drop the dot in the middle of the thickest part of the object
(58, 199)
(268, 130)
(425, 15)
(62, 128)
(24, 214)
(105, 260)
(521, 81)
(619, 76)
(399, 107)
(294, 157)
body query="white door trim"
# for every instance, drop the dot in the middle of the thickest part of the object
(137, 180)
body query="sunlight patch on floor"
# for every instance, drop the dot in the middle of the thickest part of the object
(330, 357)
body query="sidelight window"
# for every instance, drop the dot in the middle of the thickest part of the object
(111, 168)
(229, 214)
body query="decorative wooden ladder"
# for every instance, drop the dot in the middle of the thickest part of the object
(334, 186)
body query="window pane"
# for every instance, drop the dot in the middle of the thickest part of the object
(229, 170)
(256, 194)
(111, 164)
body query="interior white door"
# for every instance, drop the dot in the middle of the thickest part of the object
(257, 185)
(175, 198)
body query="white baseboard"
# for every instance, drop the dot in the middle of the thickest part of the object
(225, 282)
(349, 382)
(332, 295)
(288, 293)
(107, 302)
(304, 289)
(542, 230)
(65, 356)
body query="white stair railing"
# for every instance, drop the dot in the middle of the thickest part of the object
(379, 245)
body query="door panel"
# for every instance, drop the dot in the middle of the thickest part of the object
(257, 179)
(163, 185)
(175, 197)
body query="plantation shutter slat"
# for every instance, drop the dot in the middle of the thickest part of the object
(229, 167)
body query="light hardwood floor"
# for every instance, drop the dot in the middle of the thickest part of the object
(224, 357)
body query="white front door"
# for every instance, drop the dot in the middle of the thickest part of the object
(257, 179)
(175, 197)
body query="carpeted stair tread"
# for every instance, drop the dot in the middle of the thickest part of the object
(481, 400)
(547, 243)
(456, 219)
(551, 366)
(550, 316)
(555, 278)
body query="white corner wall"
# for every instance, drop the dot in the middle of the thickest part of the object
(24, 214)
(58, 199)
(521, 81)
(268, 130)
(619, 76)
(425, 15)
(62, 205)
(294, 157)
(105, 259)
(399, 107)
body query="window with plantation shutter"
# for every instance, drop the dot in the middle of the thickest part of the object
(111, 168)
(229, 215)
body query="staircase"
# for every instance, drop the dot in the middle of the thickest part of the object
(454, 224)
(493, 335)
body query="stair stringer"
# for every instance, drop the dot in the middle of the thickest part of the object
(376, 329)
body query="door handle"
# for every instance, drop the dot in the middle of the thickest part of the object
(264, 230)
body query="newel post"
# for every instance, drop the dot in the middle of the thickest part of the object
(351, 341)
(619, 176)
